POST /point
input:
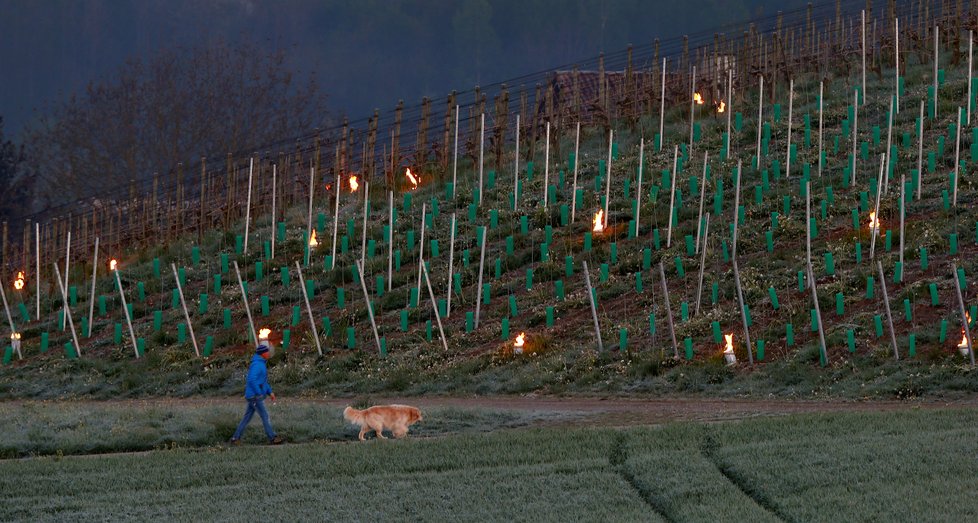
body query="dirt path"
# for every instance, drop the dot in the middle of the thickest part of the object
(604, 411)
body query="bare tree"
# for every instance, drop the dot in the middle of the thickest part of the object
(176, 106)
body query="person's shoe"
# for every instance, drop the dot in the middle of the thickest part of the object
(234, 442)
(277, 440)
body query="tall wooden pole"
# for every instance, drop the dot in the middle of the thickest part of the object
(274, 214)
(699, 285)
(886, 306)
(370, 309)
(863, 36)
(889, 141)
(594, 310)
(692, 109)
(244, 299)
(91, 298)
(455, 153)
(760, 116)
(37, 268)
(729, 108)
(787, 152)
(577, 161)
(67, 263)
(874, 226)
(855, 134)
(672, 195)
(896, 63)
(970, 56)
(183, 303)
(903, 213)
(390, 239)
(736, 269)
(607, 185)
(937, 40)
(662, 106)
(64, 299)
(434, 305)
(482, 261)
(546, 168)
(821, 91)
(424, 210)
(638, 191)
(957, 155)
(482, 147)
(920, 150)
(312, 319)
(516, 168)
(312, 185)
(699, 216)
(366, 213)
(964, 315)
(451, 267)
(336, 218)
(672, 327)
(251, 169)
(823, 350)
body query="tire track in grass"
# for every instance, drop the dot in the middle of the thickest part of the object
(617, 459)
(709, 448)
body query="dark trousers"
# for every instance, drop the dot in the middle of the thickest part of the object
(256, 404)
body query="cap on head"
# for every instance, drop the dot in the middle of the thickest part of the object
(262, 349)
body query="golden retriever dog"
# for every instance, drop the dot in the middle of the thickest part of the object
(395, 418)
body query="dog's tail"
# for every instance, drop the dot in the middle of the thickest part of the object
(353, 415)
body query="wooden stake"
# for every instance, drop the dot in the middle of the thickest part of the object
(903, 212)
(811, 274)
(787, 153)
(699, 286)
(482, 146)
(964, 315)
(699, 216)
(672, 196)
(638, 191)
(577, 161)
(274, 214)
(886, 306)
(244, 299)
(607, 185)
(594, 310)
(875, 230)
(434, 305)
(896, 63)
(67, 262)
(390, 239)
(662, 106)
(970, 56)
(37, 267)
(336, 218)
(64, 298)
(957, 156)
(451, 264)
(692, 109)
(937, 39)
(516, 168)
(183, 303)
(743, 312)
(370, 309)
(729, 107)
(736, 209)
(889, 141)
(482, 261)
(312, 319)
(10, 319)
(863, 36)
(366, 212)
(821, 91)
(455, 153)
(424, 210)
(760, 116)
(920, 151)
(251, 168)
(855, 125)
(312, 185)
(91, 300)
(672, 327)
(546, 168)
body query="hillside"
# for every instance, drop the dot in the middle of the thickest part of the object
(533, 275)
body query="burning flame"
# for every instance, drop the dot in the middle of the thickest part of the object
(312, 239)
(698, 98)
(354, 184)
(964, 337)
(520, 340)
(19, 282)
(412, 178)
(263, 334)
(15, 335)
(729, 348)
(722, 107)
(874, 222)
(113, 264)
(598, 221)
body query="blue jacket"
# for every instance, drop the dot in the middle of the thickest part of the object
(257, 379)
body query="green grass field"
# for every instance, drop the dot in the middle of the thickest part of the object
(911, 465)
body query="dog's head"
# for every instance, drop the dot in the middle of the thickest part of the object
(414, 416)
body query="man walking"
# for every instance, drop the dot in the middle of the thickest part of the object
(256, 389)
